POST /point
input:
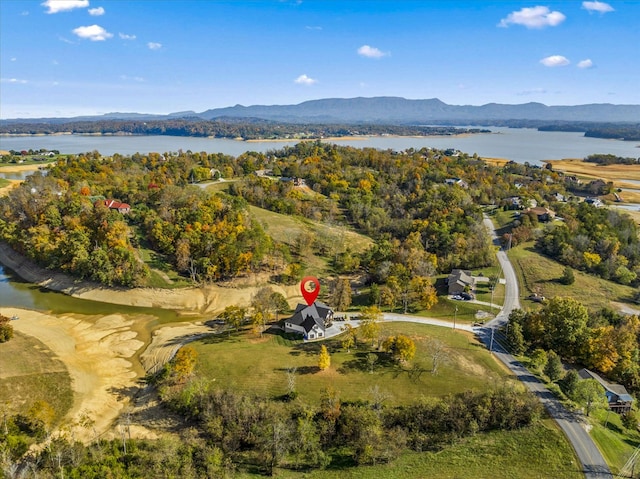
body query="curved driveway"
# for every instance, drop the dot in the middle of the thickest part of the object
(593, 464)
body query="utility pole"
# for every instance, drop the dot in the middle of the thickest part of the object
(455, 314)
(491, 343)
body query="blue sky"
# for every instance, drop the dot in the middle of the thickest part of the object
(77, 57)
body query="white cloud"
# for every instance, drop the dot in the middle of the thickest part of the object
(124, 36)
(555, 61)
(95, 33)
(13, 59)
(96, 12)
(310, 27)
(56, 6)
(596, 6)
(13, 80)
(128, 78)
(154, 45)
(534, 17)
(585, 63)
(371, 52)
(305, 80)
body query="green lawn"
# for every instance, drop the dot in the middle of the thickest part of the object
(29, 372)
(536, 452)
(249, 364)
(616, 443)
(539, 274)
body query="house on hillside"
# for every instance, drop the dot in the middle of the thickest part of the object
(460, 281)
(310, 321)
(112, 204)
(619, 399)
(594, 201)
(543, 214)
(457, 181)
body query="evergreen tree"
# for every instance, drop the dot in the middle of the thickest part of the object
(553, 368)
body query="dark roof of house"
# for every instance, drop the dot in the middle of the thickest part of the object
(462, 277)
(308, 316)
(615, 389)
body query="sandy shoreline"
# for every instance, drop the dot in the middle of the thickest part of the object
(97, 356)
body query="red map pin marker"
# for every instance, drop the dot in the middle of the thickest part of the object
(310, 289)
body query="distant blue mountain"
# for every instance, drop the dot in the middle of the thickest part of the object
(386, 110)
(396, 109)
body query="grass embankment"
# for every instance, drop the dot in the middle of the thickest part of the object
(252, 365)
(539, 274)
(531, 453)
(616, 443)
(38, 376)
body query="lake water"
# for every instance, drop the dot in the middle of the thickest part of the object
(517, 144)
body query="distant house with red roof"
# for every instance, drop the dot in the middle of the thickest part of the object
(112, 204)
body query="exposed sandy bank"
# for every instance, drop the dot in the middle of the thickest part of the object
(204, 300)
(97, 355)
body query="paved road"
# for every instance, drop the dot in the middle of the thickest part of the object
(593, 464)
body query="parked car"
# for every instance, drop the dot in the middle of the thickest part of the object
(466, 296)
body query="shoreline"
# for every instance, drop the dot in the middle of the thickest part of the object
(205, 300)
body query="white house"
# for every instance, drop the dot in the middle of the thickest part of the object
(310, 321)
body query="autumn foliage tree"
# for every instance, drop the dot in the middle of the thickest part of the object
(324, 358)
(6, 329)
(402, 348)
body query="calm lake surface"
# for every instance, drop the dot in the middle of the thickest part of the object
(517, 144)
(520, 145)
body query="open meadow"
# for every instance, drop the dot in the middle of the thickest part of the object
(540, 274)
(249, 364)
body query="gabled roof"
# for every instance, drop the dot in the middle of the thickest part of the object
(616, 390)
(462, 277)
(310, 316)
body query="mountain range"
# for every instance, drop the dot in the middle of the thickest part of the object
(386, 110)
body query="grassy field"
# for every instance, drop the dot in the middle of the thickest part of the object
(616, 443)
(536, 452)
(286, 229)
(539, 274)
(246, 363)
(27, 379)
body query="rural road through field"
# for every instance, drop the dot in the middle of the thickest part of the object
(593, 464)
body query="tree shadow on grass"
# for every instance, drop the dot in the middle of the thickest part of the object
(233, 336)
(384, 363)
(301, 370)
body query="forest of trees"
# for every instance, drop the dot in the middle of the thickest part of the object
(59, 221)
(422, 208)
(245, 128)
(605, 341)
(606, 159)
(600, 241)
(614, 131)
